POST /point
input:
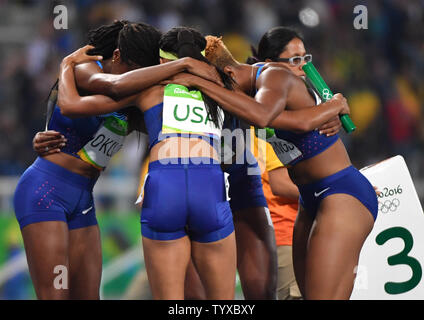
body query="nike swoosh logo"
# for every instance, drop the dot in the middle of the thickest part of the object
(86, 211)
(321, 192)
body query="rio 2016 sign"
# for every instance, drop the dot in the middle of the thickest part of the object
(392, 258)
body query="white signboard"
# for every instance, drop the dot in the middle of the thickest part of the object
(392, 259)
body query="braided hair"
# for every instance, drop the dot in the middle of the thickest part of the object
(105, 41)
(138, 44)
(105, 38)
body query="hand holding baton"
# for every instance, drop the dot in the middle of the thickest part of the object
(325, 93)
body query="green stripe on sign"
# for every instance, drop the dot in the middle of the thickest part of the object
(182, 131)
(179, 91)
(117, 126)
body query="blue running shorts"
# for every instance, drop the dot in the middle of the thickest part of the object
(49, 192)
(185, 197)
(349, 181)
(246, 190)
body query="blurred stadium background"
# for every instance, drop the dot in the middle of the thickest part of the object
(378, 69)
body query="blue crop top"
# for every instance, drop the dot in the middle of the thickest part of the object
(309, 143)
(77, 131)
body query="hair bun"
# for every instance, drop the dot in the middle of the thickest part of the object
(185, 37)
(252, 60)
(121, 23)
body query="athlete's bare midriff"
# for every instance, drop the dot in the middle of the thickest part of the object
(178, 147)
(174, 147)
(328, 162)
(73, 164)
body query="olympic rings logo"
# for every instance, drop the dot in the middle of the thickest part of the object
(388, 205)
(326, 94)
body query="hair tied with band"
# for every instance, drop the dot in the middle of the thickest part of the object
(185, 37)
(254, 57)
(122, 23)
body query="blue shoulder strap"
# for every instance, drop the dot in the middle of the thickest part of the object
(261, 66)
(99, 64)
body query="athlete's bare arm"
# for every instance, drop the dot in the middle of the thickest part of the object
(298, 99)
(236, 102)
(71, 103)
(276, 89)
(90, 78)
(282, 186)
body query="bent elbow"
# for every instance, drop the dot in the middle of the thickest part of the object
(264, 122)
(67, 113)
(110, 87)
(113, 89)
(66, 110)
(261, 123)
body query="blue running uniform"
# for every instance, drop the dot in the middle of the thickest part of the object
(48, 192)
(183, 196)
(348, 181)
(246, 189)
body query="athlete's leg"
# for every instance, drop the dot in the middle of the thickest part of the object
(193, 286)
(85, 263)
(216, 264)
(166, 264)
(341, 227)
(256, 254)
(301, 232)
(46, 246)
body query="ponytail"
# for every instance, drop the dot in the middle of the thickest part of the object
(188, 42)
(254, 57)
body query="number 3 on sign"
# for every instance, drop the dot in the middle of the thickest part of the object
(401, 258)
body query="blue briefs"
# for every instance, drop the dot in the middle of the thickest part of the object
(349, 181)
(49, 192)
(246, 190)
(185, 197)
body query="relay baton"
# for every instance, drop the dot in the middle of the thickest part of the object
(325, 93)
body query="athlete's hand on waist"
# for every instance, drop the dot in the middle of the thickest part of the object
(48, 142)
(331, 127)
(80, 56)
(203, 70)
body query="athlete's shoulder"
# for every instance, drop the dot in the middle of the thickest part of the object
(89, 66)
(150, 97)
(156, 90)
(83, 74)
(277, 67)
(273, 71)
